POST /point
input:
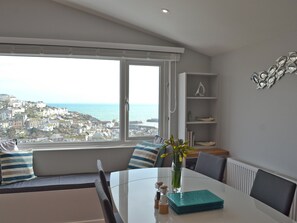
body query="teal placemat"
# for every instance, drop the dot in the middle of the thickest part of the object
(193, 201)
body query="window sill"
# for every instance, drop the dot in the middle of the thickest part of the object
(77, 146)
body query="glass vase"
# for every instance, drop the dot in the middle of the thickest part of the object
(176, 173)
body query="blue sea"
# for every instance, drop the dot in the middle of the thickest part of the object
(109, 112)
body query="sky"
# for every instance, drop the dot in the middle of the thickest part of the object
(74, 80)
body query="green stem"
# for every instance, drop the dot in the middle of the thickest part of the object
(176, 171)
(176, 178)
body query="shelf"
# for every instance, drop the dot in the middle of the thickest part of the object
(198, 115)
(201, 98)
(200, 122)
(204, 147)
(201, 74)
(212, 150)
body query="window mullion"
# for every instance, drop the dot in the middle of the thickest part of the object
(123, 97)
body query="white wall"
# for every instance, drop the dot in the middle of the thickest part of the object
(259, 126)
(68, 161)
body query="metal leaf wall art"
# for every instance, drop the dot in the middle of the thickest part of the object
(284, 65)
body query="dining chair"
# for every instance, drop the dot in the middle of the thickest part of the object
(103, 180)
(109, 215)
(211, 165)
(105, 188)
(274, 191)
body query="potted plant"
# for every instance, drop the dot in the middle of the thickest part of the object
(179, 151)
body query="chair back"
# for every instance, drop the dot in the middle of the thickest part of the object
(105, 204)
(103, 180)
(211, 165)
(274, 191)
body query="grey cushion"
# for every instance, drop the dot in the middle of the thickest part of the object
(74, 181)
(274, 191)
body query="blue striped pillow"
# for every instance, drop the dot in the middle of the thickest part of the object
(145, 155)
(16, 166)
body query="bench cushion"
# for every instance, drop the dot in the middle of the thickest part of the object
(65, 182)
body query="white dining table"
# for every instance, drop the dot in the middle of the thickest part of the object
(133, 192)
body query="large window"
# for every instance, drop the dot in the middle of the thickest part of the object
(54, 99)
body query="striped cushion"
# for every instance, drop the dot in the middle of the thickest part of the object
(16, 166)
(145, 155)
(7, 145)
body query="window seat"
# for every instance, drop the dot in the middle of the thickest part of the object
(71, 178)
(48, 183)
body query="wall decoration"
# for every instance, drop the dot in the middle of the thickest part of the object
(283, 65)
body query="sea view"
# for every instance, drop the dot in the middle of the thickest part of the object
(31, 122)
(109, 112)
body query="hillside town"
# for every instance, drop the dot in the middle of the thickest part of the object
(30, 122)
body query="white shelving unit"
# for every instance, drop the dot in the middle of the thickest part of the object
(192, 109)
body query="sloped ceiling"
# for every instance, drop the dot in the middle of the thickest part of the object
(210, 27)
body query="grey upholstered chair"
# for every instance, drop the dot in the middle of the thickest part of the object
(104, 185)
(274, 191)
(211, 165)
(103, 180)
(105, 204)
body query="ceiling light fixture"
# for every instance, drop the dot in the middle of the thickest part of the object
(165, 11)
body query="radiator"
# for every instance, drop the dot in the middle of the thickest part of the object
(241, 176)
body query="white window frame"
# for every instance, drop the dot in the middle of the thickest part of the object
(161, 97)
(124, 139)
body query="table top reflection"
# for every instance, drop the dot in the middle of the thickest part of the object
(133, 192)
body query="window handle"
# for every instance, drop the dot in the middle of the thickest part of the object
(127, 104)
